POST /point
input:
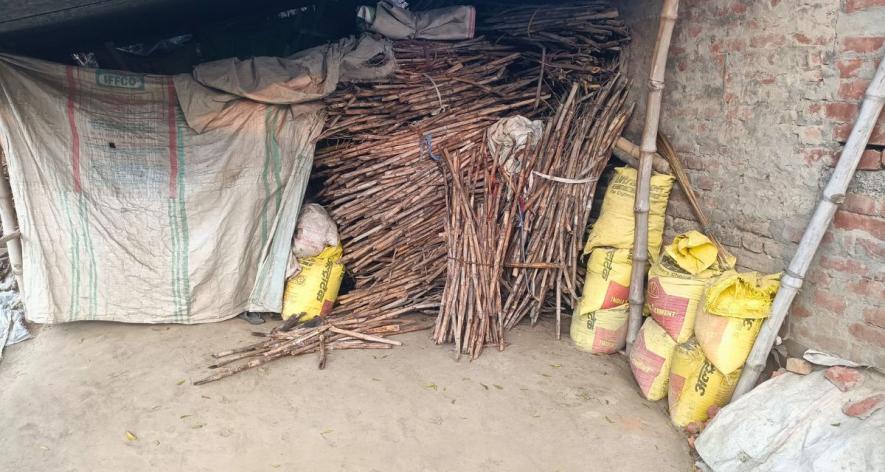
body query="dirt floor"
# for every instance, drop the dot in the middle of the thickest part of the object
(70, 396)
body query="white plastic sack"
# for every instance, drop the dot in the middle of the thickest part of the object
(315, 231)
(449, 23)
(795, 422)
(509, 136)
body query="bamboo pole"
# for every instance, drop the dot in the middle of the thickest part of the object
(833, 196)
(10, 227)
(669, 11)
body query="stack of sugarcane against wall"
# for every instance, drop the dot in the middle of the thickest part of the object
(382, 151)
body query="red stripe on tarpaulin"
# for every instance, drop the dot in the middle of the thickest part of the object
(173, 138)
(75, 135)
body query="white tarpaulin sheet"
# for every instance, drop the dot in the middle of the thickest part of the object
(129, 214)
(792, 423)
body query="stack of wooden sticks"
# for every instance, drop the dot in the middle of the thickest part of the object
(393, 150)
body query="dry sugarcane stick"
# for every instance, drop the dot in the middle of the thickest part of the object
(361, 333)
(725, 258)
(643, 178)
(833, 196)
(629, 154)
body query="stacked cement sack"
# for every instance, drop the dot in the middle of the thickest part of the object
(599, 323)
(702, 323)
(705, 370)
(676, 283)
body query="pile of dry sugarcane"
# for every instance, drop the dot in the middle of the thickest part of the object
(344, 333)
(388, 144)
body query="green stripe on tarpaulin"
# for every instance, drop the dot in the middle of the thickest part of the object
(177, 210)
(73, 235)
(173, 221)
(184, 267)
(274, 145)
(87, 240)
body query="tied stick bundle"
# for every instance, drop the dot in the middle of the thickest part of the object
(355, 333)
(572, 157)
(478, 230)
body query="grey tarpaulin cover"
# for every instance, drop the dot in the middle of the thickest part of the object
(450, 23)
(149, 199)
(795, 422)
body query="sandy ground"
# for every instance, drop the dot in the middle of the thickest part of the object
(69, 396)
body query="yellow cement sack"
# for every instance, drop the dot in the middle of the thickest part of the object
(696, 385)
(672, 298)
(607, 284)
(729, 319)
(601, 331)
(693, 252)
(614, 228)
(313, 290)
(650, 359)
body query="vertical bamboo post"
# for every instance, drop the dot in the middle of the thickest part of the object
(647, 150)
(10, 227)
(832, 197)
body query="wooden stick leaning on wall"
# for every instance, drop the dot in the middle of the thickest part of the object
(9, 220)
(669, 152)
(833, 196)
(643, 179)
(670, 164)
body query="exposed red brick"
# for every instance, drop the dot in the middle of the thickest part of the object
(815, 155)
(868, 334)
(841, 264)
(853, 89)
(801, 38)
(844, 378)
(865, 407)
(874, 316)
(871, 159)
(873, 248)
(694, 30)
(853, 221)
(832, 302)
(867, 288)
(767, 40)
(862, 44)
(738, 8)
(864, 204)
(849, 67)
(775, 3)
(852, 6)
(841, 111)
(877, 138)
(799, 310)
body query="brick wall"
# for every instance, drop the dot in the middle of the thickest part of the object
(760, 96)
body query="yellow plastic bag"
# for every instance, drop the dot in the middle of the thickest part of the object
(729, 319)
(696, 385)
(673, 296)
(650, 359)
(313, 290)
(601, 331)
(614, 228)
(607, 284)
(693, 252)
